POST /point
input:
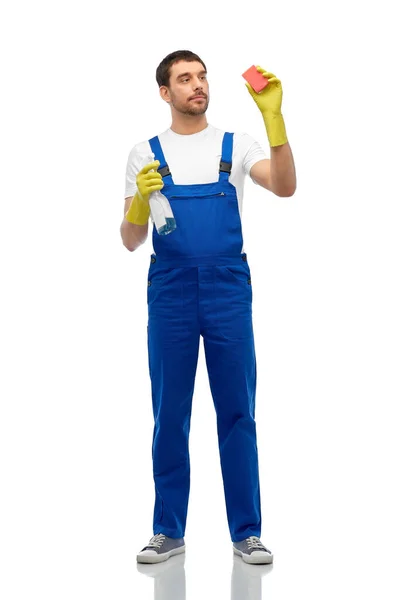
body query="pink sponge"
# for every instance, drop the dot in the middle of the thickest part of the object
(256, 79)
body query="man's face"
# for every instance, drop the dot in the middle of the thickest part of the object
(188, 88)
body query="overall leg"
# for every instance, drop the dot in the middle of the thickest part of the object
(173, 344)
(231, 363)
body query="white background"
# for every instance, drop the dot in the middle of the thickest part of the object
(78, 91)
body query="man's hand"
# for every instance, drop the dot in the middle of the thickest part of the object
(269, 102)
(147, 181)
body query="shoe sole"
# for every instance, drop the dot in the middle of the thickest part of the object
(257, 560)
(157, 558)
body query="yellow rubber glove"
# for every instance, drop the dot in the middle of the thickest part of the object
(147, 181)
(269, 101)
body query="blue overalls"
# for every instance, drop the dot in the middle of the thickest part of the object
(199, 283)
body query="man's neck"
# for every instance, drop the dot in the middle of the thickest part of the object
(188, 126)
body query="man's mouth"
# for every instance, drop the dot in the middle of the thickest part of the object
(198, 98)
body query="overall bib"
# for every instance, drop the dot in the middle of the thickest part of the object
(199, 283)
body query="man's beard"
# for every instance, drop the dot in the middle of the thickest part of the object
(190, 107)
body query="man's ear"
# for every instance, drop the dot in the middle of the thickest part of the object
(164, 93)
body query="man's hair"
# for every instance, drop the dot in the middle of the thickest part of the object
(163, 69)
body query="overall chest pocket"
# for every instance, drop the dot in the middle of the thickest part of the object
(199, 196)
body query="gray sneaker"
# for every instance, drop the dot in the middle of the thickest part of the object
(160, 548)
(253, 551)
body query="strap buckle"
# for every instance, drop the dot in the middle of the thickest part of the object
(164, 171)
(225, 167)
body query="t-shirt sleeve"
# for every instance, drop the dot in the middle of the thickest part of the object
(132, 169)
(252, 152)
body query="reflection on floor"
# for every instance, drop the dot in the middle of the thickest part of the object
(170, 580)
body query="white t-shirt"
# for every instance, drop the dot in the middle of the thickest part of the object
(195, 158)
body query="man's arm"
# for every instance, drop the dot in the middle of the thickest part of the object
(132, 235)
(277, 174)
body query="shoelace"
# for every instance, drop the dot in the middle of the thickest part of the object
(156, 540)
(254, 543)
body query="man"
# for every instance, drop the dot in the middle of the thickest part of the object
(199, 284)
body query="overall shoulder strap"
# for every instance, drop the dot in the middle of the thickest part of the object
(159, 155)
(225, 165)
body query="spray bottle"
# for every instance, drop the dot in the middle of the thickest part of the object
(160, 208)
